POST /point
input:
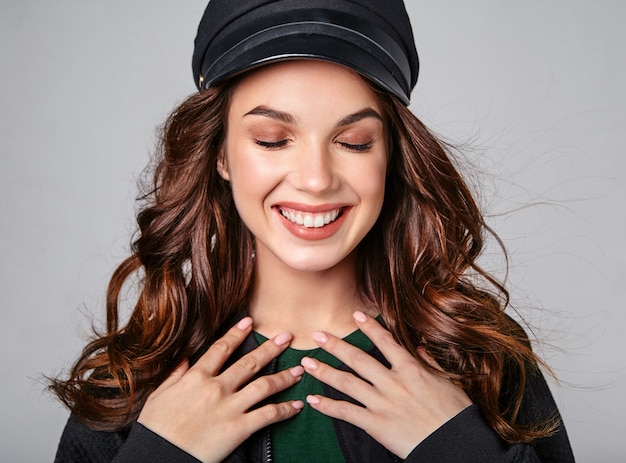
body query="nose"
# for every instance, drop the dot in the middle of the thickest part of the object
(316, 170)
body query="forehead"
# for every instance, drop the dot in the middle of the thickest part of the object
(304, 85)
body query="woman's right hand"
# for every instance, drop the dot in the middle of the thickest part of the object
(207, 413)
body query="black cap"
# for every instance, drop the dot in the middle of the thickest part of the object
(373, 37)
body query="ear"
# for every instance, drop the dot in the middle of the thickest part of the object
(222, 166)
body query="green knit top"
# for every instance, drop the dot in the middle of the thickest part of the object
(309, 436)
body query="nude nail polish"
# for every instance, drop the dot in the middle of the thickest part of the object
(244, 323)
(282, 339)
(309, 363)
(320, 337)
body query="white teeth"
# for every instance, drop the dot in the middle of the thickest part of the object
(311, 220)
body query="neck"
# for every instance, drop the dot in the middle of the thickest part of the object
(300, 302)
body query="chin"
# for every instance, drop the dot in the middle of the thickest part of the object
(312, 262)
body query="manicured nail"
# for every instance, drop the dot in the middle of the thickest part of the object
(244, 323)
(282, 339)
(312, 399)
(308, 363)
(320, 337)
(296, 371)
(359, 316)
(298, 405)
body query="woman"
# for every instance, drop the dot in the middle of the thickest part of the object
(309, 287)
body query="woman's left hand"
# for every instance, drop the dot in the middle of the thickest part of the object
(401, 405)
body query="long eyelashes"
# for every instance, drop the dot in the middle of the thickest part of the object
(272, 144)
(360, 147)
(357, 147)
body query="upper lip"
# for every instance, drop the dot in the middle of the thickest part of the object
(311, 208)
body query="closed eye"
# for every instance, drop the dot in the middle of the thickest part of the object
(272, 144)
(357, 147)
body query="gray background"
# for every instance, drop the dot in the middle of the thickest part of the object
(534, 89)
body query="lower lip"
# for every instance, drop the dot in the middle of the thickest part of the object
(313, 233)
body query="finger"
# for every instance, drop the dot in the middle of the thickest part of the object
(382, 338)
(269, 414)
(251, 363)
(342, 410)
(214, 358)
(266, 386)
(343, 381)
(357, 359)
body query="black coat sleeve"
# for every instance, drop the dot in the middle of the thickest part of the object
(80, 444)
(468, 437)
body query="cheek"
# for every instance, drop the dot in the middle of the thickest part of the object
(370, 181)
(251, 177)
(247, 196)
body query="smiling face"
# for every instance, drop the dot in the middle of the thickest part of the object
(306, 156)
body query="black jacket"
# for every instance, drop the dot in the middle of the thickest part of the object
(465, 438)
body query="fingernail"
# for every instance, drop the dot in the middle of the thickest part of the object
(313, 400)
(244, 323)
(296, 371)
(282, 339)
(308, 363)
(320, 337)
(298, 405)
(359, 316)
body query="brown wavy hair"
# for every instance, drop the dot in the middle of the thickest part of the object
(418, 265)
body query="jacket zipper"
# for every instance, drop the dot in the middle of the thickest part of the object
(268, 447)
(269, 457)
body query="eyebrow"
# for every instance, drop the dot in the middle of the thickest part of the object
(289, 119)
(358, 116)
(272, 114)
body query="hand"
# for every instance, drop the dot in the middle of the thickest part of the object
(402, 405)
(206, 413)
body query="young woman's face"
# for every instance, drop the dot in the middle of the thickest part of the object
(306, 157)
